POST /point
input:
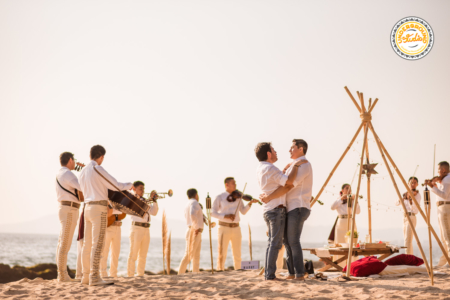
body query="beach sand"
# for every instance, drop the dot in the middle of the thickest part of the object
(232, 285)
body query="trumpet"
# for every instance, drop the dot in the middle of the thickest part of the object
(154, 195)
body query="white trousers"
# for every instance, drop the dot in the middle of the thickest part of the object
(94, 240)
(194, 254)
(444, 227)
(68, 217)
(339, 237)
(79, 274)
(408, 234)
(112, 241)
(227, 235)
(139, 243)
(280, 259)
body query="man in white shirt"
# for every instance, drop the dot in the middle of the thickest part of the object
(68, 193)
(226, 210)
(194, 220)
(298, 208)
(113, 236)
(95, 190)
(270, 178)
(442, 191)
(140, 234)
(411, 210)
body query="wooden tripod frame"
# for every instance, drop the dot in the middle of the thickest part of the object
(366, 123)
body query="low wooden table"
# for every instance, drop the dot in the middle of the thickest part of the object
(384, 253)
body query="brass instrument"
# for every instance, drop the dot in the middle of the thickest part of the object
(154, 195)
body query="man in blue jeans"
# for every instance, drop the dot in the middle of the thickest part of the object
(298, 207)
(270, 178)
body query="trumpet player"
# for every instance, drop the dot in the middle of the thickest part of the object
(225, 209)
(140, 233)
(411, 210)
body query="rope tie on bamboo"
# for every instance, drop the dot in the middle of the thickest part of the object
(366, 117)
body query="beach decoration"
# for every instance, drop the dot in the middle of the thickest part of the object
(164, 239)
(168, 252)
(366, 123)
(250, 241)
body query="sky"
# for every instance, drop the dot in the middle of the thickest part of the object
(180, 92)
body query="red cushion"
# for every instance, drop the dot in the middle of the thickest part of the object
(366, 266)
(404, 259)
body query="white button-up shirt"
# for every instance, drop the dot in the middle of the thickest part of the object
(222, 207)
(270, 178)
(442, 189)
(411, 208)
(69, 181)
(300, 194)
(95, 187)
(342, 208)
(193, 214)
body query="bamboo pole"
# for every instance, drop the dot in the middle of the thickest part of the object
(373, 105)
(377, 139)
(370, 104)
(337, 164)
(355, 203)
(361, 98)
(369, 207)
(353, 99)
(430, 241)
(402, 203)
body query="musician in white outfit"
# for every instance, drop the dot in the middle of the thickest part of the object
(342, 226)
(227, 211)
(140, 234)
(95, 190)
(194, 219)
(68, 194)
(440, 186)
(411, 210)
(112, 241)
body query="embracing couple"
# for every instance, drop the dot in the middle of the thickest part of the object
(286, 195)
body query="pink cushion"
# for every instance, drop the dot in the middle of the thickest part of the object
(366, 266)
(404, 259)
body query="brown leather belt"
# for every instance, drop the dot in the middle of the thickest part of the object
(409, 214)
(439, 203)
(141, 224)
(100, 202)
(232, 225)
(117, 223)
(343, 216)
(70, 203)
(199, 230)
(281, 206)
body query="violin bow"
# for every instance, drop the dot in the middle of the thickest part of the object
(239, 204)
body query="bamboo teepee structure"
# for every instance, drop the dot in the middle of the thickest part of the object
(366, 123)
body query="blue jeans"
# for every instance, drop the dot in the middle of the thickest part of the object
(294, 254)
(275, 220)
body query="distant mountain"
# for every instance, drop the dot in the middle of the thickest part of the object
(311, 234)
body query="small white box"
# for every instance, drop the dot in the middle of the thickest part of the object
(250, 265)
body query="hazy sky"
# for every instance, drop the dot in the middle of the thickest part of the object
(180, 92)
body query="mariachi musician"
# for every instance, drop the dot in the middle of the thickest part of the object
(95, 183)
(440, 186)
(140, 232)
(69, 196)
(225, 208)
(411, 211)
(112, 241)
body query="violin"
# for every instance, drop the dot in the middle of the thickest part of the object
(431, 182)
(352, 196)
(407, 196)
(235, 195)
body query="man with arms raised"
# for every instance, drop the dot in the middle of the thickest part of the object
(298, 206)
(68, 193)
(95, 190)
(270, 178)
(226, 210)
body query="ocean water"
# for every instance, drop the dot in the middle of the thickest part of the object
(30, 249)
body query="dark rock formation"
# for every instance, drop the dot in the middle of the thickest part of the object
(44, 271)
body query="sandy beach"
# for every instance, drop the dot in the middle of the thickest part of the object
(233, 285)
